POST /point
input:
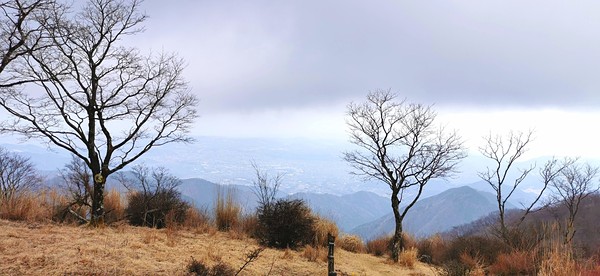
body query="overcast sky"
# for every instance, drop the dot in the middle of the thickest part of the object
(289, 68)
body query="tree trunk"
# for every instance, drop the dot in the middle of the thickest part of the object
(97, 218)
(397, 243)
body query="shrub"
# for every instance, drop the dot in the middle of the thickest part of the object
(351, 243)
(322, 227)
(514, 263)
(487, 249)
(432, 249)
(152, 195)
(227, 211)
(285, 223)
(408, 257)
(152, 211)
(379, 246)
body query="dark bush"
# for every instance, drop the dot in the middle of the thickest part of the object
(151, 210)
(285, 223)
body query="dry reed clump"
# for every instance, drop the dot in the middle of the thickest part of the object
(408, 257)
(322, 227)
(351, 243)
(558, 261)
(227, 211)
(378, 246)
(315, 253)
(32, 206)
(114, 204)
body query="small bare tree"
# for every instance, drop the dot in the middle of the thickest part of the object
(572, 185)
(504, 151)
(17, 175)
(77, 183)
(401, 146)
(265, 187)
(103, 102)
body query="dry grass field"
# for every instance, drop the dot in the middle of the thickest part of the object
(50, 249)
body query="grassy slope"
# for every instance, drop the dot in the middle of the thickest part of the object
(46, 249)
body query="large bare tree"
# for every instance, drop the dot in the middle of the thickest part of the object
(103, 102)
(401, 146)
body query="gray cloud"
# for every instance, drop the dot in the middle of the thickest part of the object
(256, 55)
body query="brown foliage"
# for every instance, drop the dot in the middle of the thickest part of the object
(514, 263)
(379, 246)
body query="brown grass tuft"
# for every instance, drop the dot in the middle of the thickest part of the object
(315, 253)
(227, 211)
(351, 243)
(408, 257)
(287, 254)
(322, 227)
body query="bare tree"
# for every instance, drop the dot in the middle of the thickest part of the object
(77, 182)
(103, 102)
(265, 188)
(504, 151)
(153, 195)
(572, 185)
(402, 147)
(17, 175)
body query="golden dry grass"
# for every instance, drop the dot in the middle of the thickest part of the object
(408, 257)
(351, 243)
(322, 227)
(47, 249)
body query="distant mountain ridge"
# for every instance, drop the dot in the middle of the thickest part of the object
(348, 211)
(435, 214)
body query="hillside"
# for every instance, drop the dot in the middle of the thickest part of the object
(46, 249)
(435, 214)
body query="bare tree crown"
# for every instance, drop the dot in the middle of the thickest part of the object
(93, 95)
(399, 142)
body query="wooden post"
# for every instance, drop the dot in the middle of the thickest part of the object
(330, 263)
